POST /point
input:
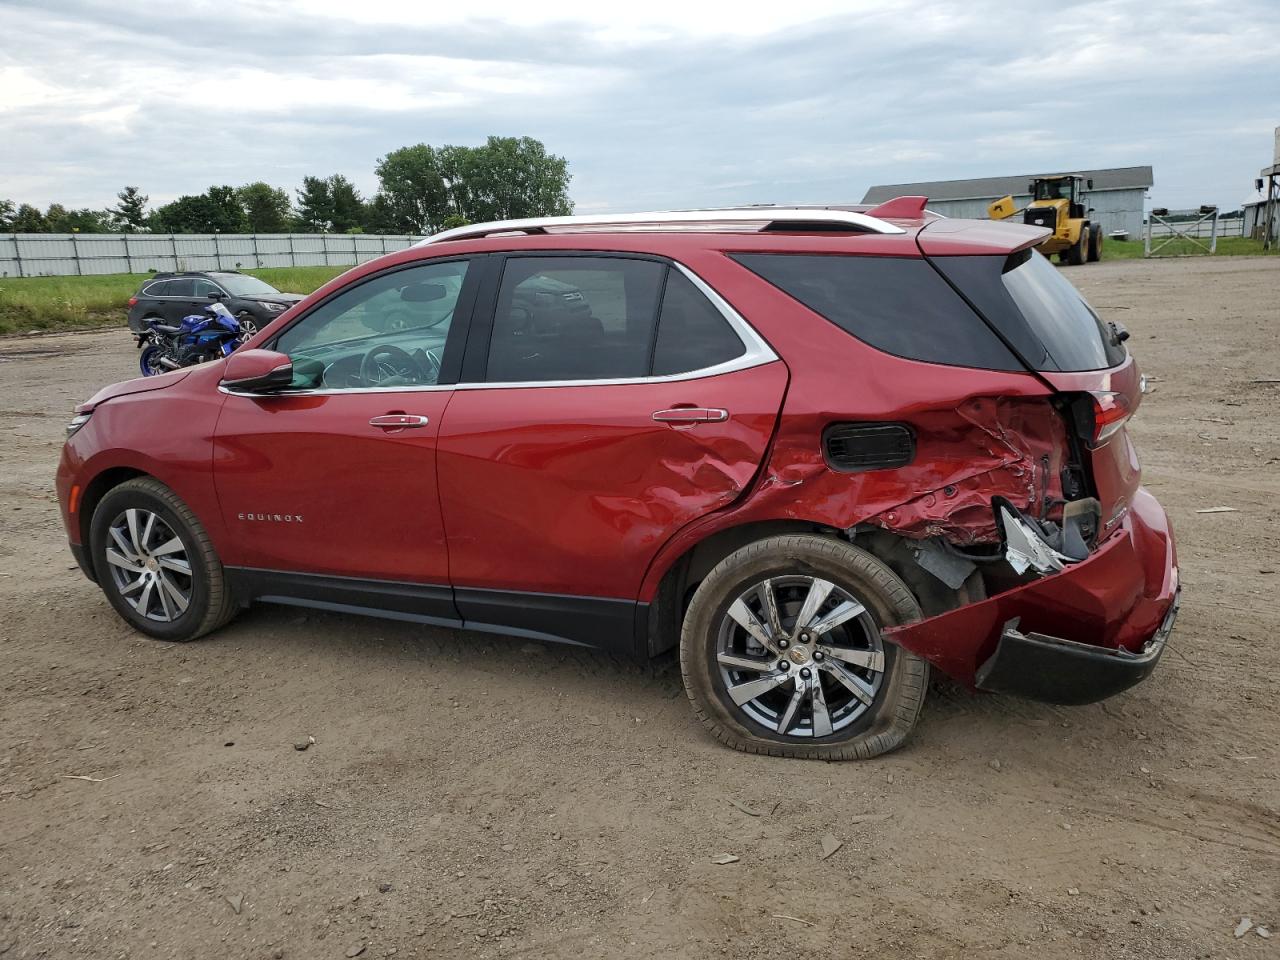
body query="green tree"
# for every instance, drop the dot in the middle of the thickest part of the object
(378, 216)
(315, 204)
(130, 214)
(414, 196)
(506, 178)
(7, 210)
(266, 208)
(511, 178)
(77, 221)
(228, 213)
(29, 220)
(217, 210)
(346, 209)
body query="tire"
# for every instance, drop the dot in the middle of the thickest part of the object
(147, 361)
(1080, 249)
(710, 633)
(249, 326)
(1095, 243)
(209, 603)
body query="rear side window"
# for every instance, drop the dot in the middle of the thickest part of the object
(158, 289)
(185, 287)
(603, 318)
(1072, 334)
(692, 333)
(574, 318)
(896, 304)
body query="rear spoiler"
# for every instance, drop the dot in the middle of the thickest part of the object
(943, 238)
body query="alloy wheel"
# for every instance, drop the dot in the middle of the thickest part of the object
(149, 565)
(800, 656)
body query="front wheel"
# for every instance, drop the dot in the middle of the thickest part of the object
(1095, 244)
(155, 562)
(248, 326)
(781, 651)
(1080, 249)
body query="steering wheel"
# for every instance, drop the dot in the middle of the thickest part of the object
(429, 363)
(387, 365)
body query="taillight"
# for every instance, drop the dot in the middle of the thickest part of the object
(133, 301)
(1110, 411)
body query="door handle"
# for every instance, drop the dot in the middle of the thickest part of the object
(398, 421)
(691, 415)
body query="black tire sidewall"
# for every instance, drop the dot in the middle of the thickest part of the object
(905, 675)
(112, 505)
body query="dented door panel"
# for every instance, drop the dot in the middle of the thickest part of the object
(572, 489)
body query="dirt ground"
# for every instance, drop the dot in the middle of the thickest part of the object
(481, 797)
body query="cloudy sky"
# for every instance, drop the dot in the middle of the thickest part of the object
(660, 103)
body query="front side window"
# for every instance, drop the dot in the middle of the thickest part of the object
(206, 288)
(603, 318)
(386, 332)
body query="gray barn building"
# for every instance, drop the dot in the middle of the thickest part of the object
(1116, 198)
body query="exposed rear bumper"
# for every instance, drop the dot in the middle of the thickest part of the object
(1076, 636)
(1062, 671)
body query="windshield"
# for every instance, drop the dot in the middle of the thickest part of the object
(240, 285)
(1073, 335)
(1053, 190)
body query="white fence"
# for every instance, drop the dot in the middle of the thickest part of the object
(77, 254)
(1233, 227)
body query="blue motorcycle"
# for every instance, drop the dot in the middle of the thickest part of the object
(196, 339)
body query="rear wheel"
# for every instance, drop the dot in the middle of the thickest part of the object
(781, 651)
(155, 562)
(149, 361)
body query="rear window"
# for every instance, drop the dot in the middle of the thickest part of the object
(1072, 334)
(897, 304)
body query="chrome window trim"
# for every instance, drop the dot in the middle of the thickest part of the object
(757, 352)
(658, 220)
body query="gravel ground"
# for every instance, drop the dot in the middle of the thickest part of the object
(478, 797)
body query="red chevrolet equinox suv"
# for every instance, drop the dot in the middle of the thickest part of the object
(820, 450)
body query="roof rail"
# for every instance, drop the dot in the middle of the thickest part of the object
(765, 218)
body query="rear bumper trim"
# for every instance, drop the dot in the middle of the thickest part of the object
(1053, 670)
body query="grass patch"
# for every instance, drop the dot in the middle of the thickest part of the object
(1227, 247)
(60, 303)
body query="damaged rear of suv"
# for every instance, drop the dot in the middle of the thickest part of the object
(975, 476)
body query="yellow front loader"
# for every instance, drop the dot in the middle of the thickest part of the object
(1059, 203)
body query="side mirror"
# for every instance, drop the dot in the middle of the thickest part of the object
(257, 371)
(215, 296)
(1088, 184)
